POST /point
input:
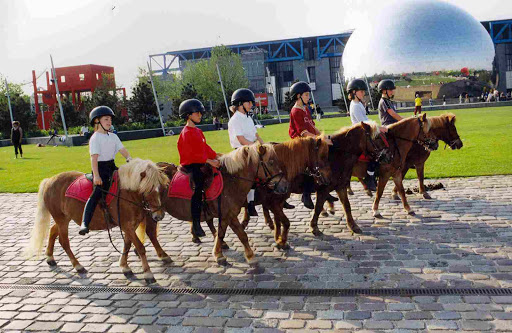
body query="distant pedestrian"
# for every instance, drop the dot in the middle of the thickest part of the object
(84, 131)
(16, 137)
(430, 101)
(460, 99)
(444, 99)
(54, 134)
(417, 103)
(466, 100)
(216, 122)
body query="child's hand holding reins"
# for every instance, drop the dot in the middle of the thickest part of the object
(97, 180)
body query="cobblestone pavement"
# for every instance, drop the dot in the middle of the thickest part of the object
(462, 238)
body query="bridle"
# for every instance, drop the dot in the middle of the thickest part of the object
(426, 142)
(454, 141)
(315, 170)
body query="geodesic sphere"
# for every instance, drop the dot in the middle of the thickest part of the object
(417, 36)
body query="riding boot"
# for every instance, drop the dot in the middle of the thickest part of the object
(196, 221)
(306, 199)
(331, 198)
(86, 219)
(371, 182)
(251, 209)
(288, 206)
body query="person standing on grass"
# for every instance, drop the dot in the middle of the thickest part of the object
(417, 103)
(16, 138)
(103, 147)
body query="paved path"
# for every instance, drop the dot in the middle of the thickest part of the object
(460, 239)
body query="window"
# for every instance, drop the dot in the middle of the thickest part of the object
(63, 79)
(285, 72)
(97, 76)
(82, 77)
(312, 74)
(334, 65)
(508, 56)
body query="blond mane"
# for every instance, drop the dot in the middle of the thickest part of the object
(130, 176)
(440, 121)
(375, 128)
(237, 159)
(295, 155)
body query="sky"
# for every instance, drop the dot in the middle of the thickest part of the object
(123, 33)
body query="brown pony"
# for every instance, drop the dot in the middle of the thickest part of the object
(401, 137)
(348, 144)
(297, 157)
(140, 184)
(443, 128)
(240, 169)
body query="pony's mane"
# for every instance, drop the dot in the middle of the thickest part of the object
(440, 121)
(237, 159)
(375, 128)
(130, 176)
(405, 121)
(295, 155)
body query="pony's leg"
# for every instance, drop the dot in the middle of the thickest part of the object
(394, 193)
(151, 231)
(54, 232)
(366, 189)
(331, 209)
(284, 222)
(64, 242)
(351, 224)
(321, 197)
(219, 239)
(209, 222)
(349, 190)
(247, 218)
(268, 219)
(420, 171)
(123, 260)
(276, 225)
(401, 192)
(141, 250)
(383, 180)
(242, 236)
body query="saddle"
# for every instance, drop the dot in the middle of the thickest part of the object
(81, 188)
(182, 184)
(364, 158)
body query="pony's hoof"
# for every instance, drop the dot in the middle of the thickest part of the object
(411, 212)
(128, 274)
(224, 246)
(196, 240)
(355, 229)
(222, 261)
(377, 214)
(80, 269)
(284, 246)
(324, 213)
(369, 193)
(395, 196)
(149, 278)
(350, 192)
(426, 196)
(316, 232)
(51, 262)
(166, 260)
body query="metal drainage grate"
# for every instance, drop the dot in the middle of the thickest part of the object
(268, 292)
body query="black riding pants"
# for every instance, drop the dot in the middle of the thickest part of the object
(106, 169)
(197, 197)
(17, 146)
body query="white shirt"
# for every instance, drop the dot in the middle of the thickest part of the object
(357, 112)
(240, 124)
(105, 145)
(84, 129)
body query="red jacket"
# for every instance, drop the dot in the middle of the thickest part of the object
(300, 121)
(193, 148)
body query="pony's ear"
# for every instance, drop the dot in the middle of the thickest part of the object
(262, 149)
(366, 127)
(142, 175)
(452, 121)
(424, 117)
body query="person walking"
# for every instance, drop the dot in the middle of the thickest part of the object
(16, 138)
(417, 103)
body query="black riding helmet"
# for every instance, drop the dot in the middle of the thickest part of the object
(386, 85)
(242, 95)
(356, 84)
(299, 88)
(190, 106)
(100, 111)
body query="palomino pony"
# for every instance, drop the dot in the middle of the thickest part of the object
(401, 136)
(240, 169)
(348, 144)
(140, 183)
(297, 157)
(443, 128)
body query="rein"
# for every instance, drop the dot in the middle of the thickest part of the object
(257, 180)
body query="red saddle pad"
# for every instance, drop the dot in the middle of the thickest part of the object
(81, 189)
(180, 186)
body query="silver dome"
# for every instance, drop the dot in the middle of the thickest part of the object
(417, 36)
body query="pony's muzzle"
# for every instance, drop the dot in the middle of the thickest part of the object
(158, 215)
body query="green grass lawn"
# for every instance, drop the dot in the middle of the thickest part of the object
(485, 133)
(418, 80)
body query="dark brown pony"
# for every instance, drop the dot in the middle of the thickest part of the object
(443, 128)
(141, 183)
(240, 169)
(348, 144)
(401, 137)
(296, 157)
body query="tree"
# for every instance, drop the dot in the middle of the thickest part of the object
(142, 106)
(105, 94)
(21, 111)
(72, 116)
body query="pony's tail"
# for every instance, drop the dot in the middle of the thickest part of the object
(141, 231)
(41, 226)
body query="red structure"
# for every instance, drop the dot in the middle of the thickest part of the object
(74, 82)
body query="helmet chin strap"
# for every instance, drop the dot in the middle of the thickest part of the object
(99, 122)
(387, 94)
(303, 104)
(246, 112)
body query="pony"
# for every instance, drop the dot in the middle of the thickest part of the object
(140, 187)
